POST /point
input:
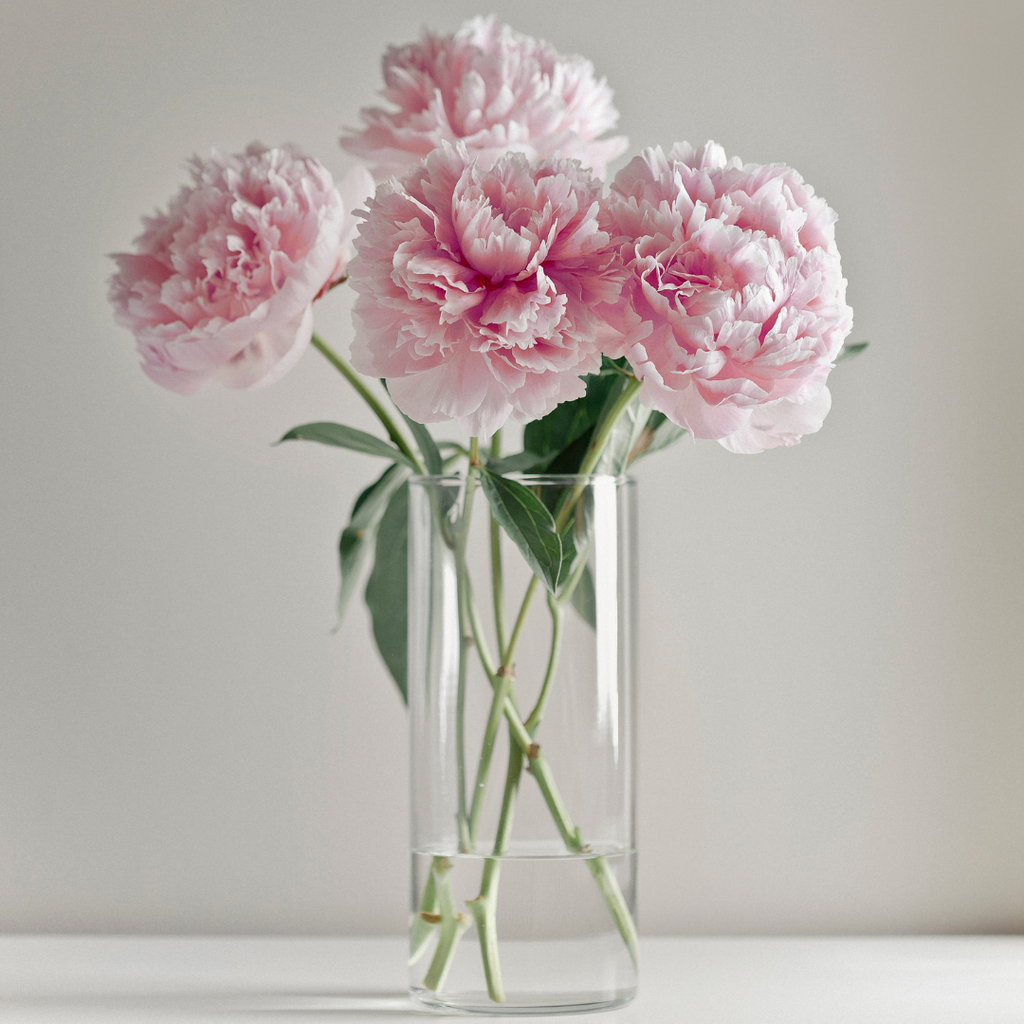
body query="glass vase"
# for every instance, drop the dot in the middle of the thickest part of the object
(522, 751)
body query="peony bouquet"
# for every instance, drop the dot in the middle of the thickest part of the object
(499, 278)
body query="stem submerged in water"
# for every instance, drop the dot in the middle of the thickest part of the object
(452, 925)
(422, 925)
(484, 907)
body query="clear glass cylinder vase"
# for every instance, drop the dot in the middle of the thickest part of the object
(522, 749)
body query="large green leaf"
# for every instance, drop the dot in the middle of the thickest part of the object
(347, 437)
(358, 537)
(387, 588)
(563, 425)
(519, 462)
(571, 457)
(528, 522)
(572, 422)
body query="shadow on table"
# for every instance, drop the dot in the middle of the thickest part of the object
(383, 1004)
(380, 1005)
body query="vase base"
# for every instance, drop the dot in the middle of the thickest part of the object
(523, 1004)
(557, 948)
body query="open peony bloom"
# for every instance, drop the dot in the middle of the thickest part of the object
(477, 287)
(495, 90)
(222, 285)
(735, 306)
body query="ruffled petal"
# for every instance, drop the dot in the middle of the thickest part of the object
(735, 303)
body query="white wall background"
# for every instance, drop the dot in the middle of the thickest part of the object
(832, 635)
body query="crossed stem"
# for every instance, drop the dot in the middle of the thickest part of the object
(522, 748)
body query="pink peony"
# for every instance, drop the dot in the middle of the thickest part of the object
(476, 287)
(222, 285)
(735, 305)
(495, 90)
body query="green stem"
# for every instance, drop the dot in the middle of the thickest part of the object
(465, 642)
(600, 439)
(460, 748)
(597, 446)
(484, 907)
(483, 651)
(616, 902)
(599, 866)
(369, 397)
(452, 925)
(501, 680)
(520, 735)
(497, 582)
(538, 766)
(515, 767)
(517, 629)
(422, 925)
(521, 744)
(557, 618)
(438, 887)
(487, 749)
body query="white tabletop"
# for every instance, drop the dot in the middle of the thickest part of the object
(80, 980)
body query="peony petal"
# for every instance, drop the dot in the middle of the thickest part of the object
(455, 321)
(223, 281)
(493, 89)
(734, 270)
(782, 423)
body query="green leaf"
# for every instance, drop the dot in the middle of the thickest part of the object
(388, 587)
(357, 538)
(347, 437)
(571, 421)
(556, 431)
(584, 599)
(848, 351)
(571, 457)
(520, 462)
(527, 521)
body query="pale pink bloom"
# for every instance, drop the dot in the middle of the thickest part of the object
(495, 90)
(735, 306)
(477, 287)
(222, 285)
